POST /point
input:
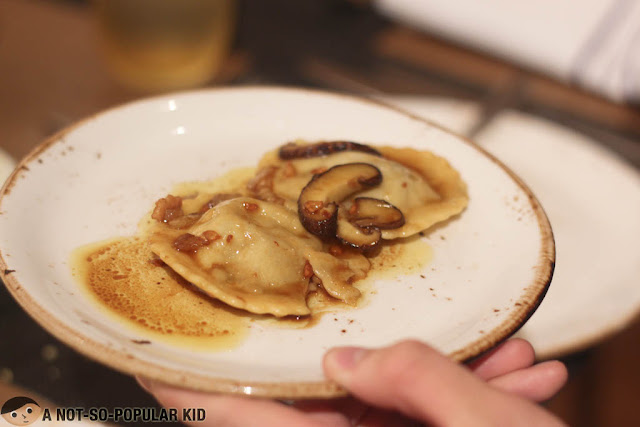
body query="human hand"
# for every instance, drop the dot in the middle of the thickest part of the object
(404, 384)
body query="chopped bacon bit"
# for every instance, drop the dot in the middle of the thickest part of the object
(336, 250)
(210, 236)
(313, 206)
(325, 214)
(319, 170)
(307, 272)
(250, 207)
(167, 209)
(404, 184)
(262, 179)
(185, 221)
(189, 243)
(289, 170)
(277, 244)
(353, 209)
(218, 198)
(261, 185)
(229, 238)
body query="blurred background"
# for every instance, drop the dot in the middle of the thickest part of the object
(551, 90)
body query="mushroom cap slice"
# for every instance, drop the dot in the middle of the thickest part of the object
(293, 150)
(361, 238)
(370, 212)
(441, 177)
(359, 226)
(423, 185)
(319, 199)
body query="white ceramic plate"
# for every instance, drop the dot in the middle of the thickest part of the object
(490, 269)
(589, 301)
(592, 198)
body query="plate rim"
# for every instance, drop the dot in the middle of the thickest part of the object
(127, 363)
(626, 171)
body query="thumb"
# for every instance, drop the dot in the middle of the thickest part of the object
(412, 378)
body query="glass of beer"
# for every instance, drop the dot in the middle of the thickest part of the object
(159, 45)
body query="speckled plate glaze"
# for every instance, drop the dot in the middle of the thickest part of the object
(491, 266)
(595, 290)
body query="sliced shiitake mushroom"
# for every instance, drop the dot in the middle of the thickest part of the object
(360, 225)
(357, 237)
(370, 212)
(294, 151)
(319, 199)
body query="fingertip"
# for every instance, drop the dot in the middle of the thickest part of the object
(538, 383)
(558, 372)
(522, 350)
(509, 356)
(145, 383)
(553, 374)
(523, 346)
(339, 362)
(410, 377)
(156, 389)
(165, 393)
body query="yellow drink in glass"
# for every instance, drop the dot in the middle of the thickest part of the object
(156, 45)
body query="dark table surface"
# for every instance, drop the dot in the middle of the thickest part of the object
(52, 75)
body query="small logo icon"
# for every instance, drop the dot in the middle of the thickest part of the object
(21, 411)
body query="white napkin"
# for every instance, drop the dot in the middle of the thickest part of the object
(593, 43)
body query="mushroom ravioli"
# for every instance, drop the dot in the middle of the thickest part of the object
(310, 218)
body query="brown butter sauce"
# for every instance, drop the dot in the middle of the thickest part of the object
(126, 279)
(122, 276)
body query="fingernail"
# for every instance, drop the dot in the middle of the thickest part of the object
(144, 383)
(347, 358)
